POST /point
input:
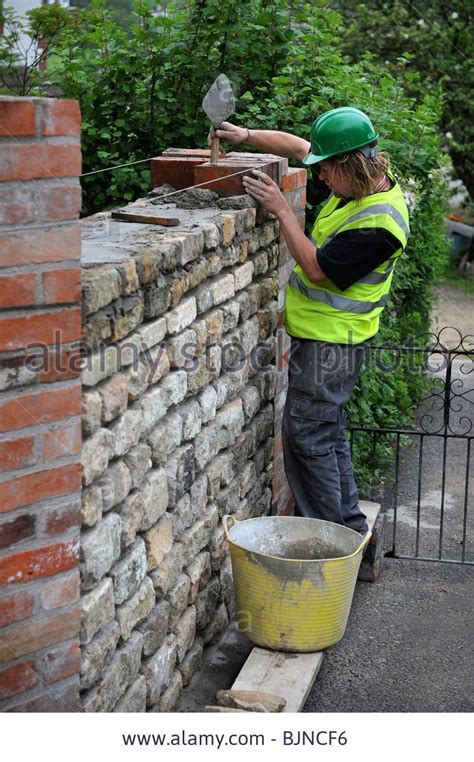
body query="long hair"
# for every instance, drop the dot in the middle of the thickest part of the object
(362, 172)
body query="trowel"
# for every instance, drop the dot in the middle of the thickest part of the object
(219, 105)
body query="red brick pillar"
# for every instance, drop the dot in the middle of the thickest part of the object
(294, 190)
(40, 403)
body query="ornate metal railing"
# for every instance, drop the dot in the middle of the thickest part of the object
(440, 453)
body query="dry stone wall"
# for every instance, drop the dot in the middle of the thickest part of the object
(178, 420)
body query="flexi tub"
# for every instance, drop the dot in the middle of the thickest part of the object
(294, 579)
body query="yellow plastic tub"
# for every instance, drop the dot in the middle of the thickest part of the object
(294, 579)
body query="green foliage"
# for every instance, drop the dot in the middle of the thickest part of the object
(22, 59)
(435, 38)
(140, 91)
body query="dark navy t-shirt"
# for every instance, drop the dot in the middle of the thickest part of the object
(352, 254)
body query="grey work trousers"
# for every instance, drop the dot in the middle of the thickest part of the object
(317, 457)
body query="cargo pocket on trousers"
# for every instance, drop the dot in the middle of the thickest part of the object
(312, 424)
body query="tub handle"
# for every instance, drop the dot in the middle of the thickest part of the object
(364, 542)
(225, 521)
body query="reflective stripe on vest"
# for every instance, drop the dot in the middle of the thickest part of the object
(369, 212)
(375, 277)
(333, 300)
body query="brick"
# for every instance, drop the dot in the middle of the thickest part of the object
(18, 206)
(40, 327)
(62, 286)
(64, 698)
(59, 202)
(59, 662)
(62, 441)
(230, 186)
(31, 636)
(64, 363)
(17, 453)
(17, 117)
(177, 171)
(18, 678)
(49, 244)
(17, 290)
(52, 482)
(56, 521)
(40, 407)
(24, 161)
(294, 179)
(60, 592)
(15, 607)
(40, 562)
(61, 117)
(18, 529)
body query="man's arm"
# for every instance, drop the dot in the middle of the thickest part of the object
(303, 251)
(280, 143)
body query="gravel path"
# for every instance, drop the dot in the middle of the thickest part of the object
(409, 646)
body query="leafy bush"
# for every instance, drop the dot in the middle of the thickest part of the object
(140, 92)
(436, 39)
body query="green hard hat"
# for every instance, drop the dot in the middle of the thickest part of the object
(339, 131)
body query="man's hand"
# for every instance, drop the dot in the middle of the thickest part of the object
(229, 132)
(266, 191)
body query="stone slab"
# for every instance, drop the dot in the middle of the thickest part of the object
(371, 510)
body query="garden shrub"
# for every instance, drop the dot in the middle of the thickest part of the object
(141, 90)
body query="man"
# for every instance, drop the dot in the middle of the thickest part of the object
(334, 296)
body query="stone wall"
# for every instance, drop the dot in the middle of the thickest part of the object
(40, 404)
(178, 422)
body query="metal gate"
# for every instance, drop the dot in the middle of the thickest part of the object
(427, 490)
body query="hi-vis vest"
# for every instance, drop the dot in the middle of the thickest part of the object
(321, 310)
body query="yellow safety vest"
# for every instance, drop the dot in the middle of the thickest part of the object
(321, 310)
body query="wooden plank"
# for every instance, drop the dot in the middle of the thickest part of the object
(285, 674)
(144, 219)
